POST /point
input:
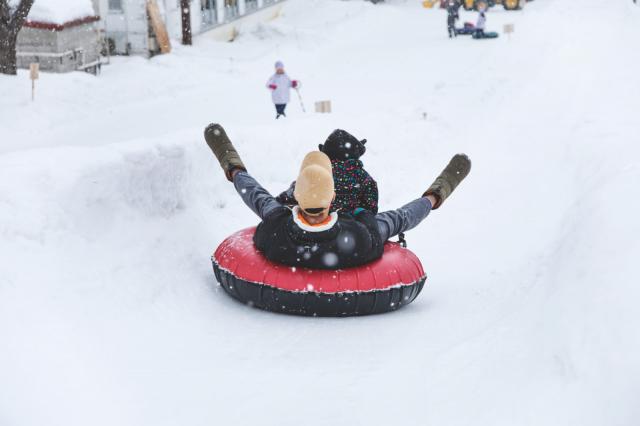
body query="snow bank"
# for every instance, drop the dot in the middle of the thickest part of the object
(60, 11)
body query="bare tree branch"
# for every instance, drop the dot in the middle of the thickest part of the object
(5, 12)
(10, 25)
(20, 15)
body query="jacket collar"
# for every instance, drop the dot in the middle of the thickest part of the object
(302, 224)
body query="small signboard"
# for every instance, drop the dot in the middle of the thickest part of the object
(34, 70)
(323, 106)
(508, 29)
(34, 74)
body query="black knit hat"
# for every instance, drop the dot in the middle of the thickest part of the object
(341, 145)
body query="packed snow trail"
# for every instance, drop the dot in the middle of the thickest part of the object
(111, 203)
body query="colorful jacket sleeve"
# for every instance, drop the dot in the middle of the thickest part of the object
(369, 194)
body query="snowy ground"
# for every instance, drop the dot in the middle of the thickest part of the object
(111, 203)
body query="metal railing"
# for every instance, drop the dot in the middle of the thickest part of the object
(77, 55)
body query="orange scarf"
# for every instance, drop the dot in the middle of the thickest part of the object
(303, 220)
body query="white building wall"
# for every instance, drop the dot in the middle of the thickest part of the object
(128, 28)
(196, 20)
(220, 9)
(228, 31)
(75, 47)
(172, 18)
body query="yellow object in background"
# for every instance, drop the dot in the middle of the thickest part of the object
(428, 3)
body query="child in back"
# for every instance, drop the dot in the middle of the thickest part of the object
(482, 20)
(354, 187)
(280, 84)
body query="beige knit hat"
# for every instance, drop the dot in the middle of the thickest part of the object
(314, 186)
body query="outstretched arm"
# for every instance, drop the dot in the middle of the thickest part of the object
(393, 222)
(252, 193)
(258, 199)
(286, 197)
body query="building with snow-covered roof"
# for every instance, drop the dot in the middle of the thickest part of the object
(68, 35)
(60, 35)
(127, 29)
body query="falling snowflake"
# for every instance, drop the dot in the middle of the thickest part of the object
(346, 242)
(330, 259)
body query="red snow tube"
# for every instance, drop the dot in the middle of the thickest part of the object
(384, 285)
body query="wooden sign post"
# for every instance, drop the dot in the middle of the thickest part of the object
(34, 73)
(508, 29)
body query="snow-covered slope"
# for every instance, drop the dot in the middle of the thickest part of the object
(111, 203)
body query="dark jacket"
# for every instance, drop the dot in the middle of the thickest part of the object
(353, 185)
(353, 240)
(452, 13)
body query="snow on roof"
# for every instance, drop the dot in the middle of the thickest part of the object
(59, 11)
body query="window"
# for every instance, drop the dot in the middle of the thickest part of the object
(251, 5)
(115, 5)
(230, 9)
(208, 12)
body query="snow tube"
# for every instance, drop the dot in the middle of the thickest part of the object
(465, 31)
(491, 34)
(384, 285)
(468, 29)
